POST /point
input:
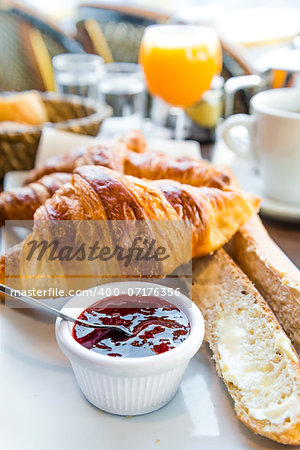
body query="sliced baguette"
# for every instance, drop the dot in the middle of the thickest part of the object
(274, 275)
(253, 355)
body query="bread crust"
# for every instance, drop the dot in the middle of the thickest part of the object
(273, 274)
(217, 277)
(98, 193)
(21, 203)
(214, 214)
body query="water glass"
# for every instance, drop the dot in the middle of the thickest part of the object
(123, 88)
(78, 74)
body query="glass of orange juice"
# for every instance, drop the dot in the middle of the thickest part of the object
(180, 61)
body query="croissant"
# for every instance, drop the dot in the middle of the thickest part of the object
(150, 165)
(21, 203)
(155, 166)
(62, 163)
(97, 193)
(133, 140)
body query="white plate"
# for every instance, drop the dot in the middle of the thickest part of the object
(250, 181)
(43, 408)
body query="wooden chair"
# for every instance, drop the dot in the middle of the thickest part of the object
(114, 32)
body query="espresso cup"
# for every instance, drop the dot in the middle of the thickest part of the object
(272, 141)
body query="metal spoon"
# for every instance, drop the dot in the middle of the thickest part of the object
(33, 302)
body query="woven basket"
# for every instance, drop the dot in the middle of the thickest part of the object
(69, 113)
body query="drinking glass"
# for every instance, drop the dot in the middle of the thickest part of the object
(179, 63)
(78, 74)
(123, 88)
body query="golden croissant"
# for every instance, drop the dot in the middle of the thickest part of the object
(155, 166)
(151, 165)
(133, 141)
(97, 193)
(116, 156)
(21, 203)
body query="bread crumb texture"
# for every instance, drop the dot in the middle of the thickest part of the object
(253, 355)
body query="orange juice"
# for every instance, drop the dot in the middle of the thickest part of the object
(180, 61)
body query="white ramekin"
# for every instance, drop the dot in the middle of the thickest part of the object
(129, 386)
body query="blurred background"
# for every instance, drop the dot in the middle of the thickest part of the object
(259, 42)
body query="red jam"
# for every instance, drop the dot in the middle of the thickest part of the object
(158, 326)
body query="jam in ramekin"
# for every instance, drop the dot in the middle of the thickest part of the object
(157, 325)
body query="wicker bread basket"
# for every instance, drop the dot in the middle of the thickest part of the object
(69, 113)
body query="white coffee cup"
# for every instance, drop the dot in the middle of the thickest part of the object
(273, 141)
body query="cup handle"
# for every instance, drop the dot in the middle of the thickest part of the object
(238, 145)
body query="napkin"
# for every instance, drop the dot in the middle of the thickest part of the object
(55, 142)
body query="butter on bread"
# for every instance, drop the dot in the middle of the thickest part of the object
(26, 108)
(273, 274)
(253, 355)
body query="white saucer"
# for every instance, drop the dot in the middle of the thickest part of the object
(250, 181)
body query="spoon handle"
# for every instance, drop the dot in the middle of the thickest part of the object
(33, 302)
